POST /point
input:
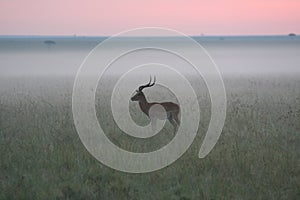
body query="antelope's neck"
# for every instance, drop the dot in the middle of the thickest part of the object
(145, 106)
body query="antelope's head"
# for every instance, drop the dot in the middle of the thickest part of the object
(139, 96)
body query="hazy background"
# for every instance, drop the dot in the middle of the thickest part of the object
(276, 55)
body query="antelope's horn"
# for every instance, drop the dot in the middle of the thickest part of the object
(148, 84)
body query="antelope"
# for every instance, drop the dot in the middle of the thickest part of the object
(172, 109)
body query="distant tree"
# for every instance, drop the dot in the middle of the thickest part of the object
(49, 43)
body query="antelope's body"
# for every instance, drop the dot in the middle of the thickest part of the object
(172, 109)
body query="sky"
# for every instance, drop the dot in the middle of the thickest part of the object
(192, 17)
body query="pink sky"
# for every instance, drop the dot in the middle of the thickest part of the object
(192, 17)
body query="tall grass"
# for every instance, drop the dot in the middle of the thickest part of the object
(257, 156)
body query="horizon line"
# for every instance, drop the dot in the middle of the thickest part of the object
(104, 36)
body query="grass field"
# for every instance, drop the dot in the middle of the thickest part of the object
(257, 156)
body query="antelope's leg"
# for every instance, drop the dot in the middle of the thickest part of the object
(174, 124)
(176, 118)
(153, 123)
